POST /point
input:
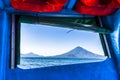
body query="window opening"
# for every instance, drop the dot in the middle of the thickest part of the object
(45, 45)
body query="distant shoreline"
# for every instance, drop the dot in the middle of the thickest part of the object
(100, 58)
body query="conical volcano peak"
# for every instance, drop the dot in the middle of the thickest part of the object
(78, 47)
(78, 52)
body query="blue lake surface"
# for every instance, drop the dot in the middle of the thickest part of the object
(37, 62)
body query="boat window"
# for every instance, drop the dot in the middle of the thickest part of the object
(46, 44)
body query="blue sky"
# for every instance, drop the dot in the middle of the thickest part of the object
(48, 41)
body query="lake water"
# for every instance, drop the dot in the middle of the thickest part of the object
(33, 62)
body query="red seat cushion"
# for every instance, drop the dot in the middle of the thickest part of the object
(98, 8)
(39, 5)
(118, 1)
(101, 3)
(90, 2)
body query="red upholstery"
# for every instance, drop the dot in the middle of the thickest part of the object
(89, 2)
(118, 1)
(96, 7)
(39, 5)
(101, 3)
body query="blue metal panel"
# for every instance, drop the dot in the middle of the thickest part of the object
(7, 3)
(90, 71)
(4, 44)
(119, 38)
(113, 22)
(71, 4)
(1, 4)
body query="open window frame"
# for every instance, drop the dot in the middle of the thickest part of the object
(78, 23)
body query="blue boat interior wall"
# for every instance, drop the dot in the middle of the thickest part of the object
(88, 71)
(105, 70)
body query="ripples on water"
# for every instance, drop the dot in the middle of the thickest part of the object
(28, 63)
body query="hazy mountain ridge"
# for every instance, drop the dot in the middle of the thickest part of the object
(77, 52)
(31, 55)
